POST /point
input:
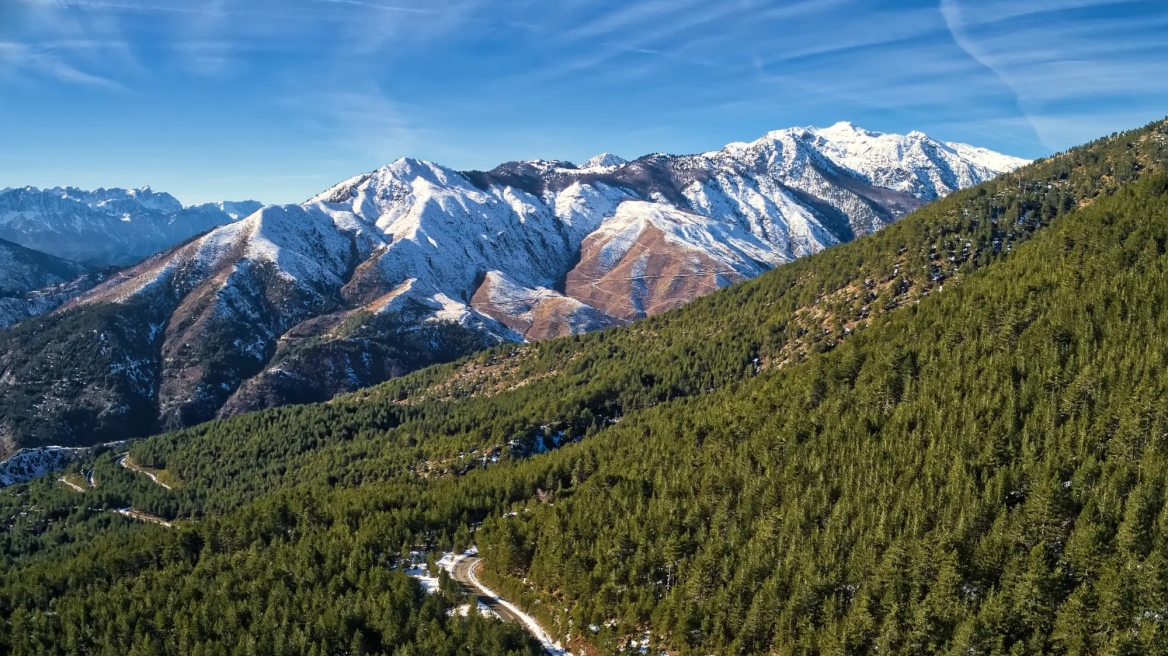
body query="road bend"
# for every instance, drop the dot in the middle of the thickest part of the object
(461, 572)
(132, 467)
(70, 484)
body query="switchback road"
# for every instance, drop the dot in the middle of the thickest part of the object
(132, 467)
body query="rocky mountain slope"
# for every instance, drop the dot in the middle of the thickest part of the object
(23, 269)
(30, 464)
(415, 263)
(107, 226)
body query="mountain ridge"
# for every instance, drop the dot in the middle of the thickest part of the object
(33, 283)
(104, 226)
(398, 258)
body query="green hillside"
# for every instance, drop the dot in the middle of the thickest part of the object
(944, 438)
(981, 474)
(578, 386)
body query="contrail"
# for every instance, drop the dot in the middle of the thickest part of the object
(951, 12)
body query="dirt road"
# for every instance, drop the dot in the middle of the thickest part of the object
(132, 467)
(461, 572)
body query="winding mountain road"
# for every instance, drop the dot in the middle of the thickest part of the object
(463, 571)
(137, 514)
(132, 467)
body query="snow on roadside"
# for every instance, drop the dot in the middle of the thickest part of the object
(550, 645)
(430, 584)
(448, 562)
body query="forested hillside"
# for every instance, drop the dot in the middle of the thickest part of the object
(981, 474)
(510, 400)
(938, 439)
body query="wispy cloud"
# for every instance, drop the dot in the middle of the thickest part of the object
(986, 12)
(97, 5)
(18, 58)
(384, 7)
(342, 84)
(1054, 52)
(361, 120)
(52, 41)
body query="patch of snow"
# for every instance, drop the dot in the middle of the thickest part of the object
(33, 463)
(429, 583)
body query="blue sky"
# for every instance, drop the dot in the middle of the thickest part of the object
(278, 99)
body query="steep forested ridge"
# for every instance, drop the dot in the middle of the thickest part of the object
(529, 394)
(812, 462)
(980, 474)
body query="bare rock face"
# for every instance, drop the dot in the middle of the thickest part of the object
(415, 264)
(536, 313)
(650, 258)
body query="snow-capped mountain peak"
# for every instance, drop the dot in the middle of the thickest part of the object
(415, 263)
(844, 130)
(604, 160)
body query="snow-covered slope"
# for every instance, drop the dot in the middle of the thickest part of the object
(107, 226)
(28, 464)
(416, 263)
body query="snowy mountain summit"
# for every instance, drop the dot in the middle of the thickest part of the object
(604, 160)
(912, 163)
(416, 263)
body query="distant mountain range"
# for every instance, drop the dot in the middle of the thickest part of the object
(57, 243)
(107, 226)
(415, 263)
